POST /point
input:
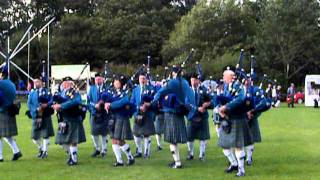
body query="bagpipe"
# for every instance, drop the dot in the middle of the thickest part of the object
(110, 95)
(170, 101)
(44, 97)
(76, 110)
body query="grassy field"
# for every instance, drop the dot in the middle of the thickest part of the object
(290, 150)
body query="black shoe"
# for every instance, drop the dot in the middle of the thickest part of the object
(130, 162)
(1, 160)
(16, 156)
(240, 174)
(103, 154)
(95, 153)
(202, 159)
(69, 160)
(138, 155)
(190, 157)
(230, 169)
(40, 154)
(72, 163)
(44, 155)
(146, 156)
(117, 164)
(159, 148)
(174, 166)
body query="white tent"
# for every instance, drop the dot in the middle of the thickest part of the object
(58, 72)
(312, 88)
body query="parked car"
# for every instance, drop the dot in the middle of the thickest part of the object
(298, 98)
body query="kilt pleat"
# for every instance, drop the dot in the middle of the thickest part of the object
(175, 128)
(255, 130)
(147, 128)
(122, 129)
(199, 132)
(159, 123)
(99, 125)
(239, 137)
(45, 132)
(74, 135)
(8, 125)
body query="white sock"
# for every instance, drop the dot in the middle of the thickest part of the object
(104, 143)
(218, 131)
(250, 149)
(228, 153)
(147, 146)
(95, 140)
(12, 144)
(38, 143)
(45, 146)
(138, 140)
(1, 146)
(74, 153)
(126, 149)
(158, 138)
(117, 152)
(240, 154)
(202, 148)
(175, 153)
(190, 147)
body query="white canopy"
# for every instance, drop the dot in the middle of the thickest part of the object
(312, 88)
(60, 71)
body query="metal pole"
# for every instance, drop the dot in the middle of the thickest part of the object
(39, 32)
(48, 60)
(28, 58)
(25, 34)
(21, 70)
(2, 54)
(8, 59)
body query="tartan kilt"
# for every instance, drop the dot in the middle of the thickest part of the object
(99, 125)
(8, 125)
(159, 123)
(147, 128)
(74, 135)
(239, 137)
(175, 128)
(45, 132)
(200, 131)
(122, 129)
(255, 129)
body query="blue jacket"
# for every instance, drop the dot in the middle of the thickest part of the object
(180, 87)
(137, 96)
(8, 90)
(199, 100)
(236, 107)
(93, 97)
(33, 101)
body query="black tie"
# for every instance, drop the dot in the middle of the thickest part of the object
(196, 95)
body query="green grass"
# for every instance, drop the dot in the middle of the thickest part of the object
(290, 150)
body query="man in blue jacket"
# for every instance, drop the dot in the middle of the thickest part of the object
(70, 130)
(236, 133)
(175, 131)
(39, 105)
(198, 126)
(144, 121)
(8, 125)
(98, 119)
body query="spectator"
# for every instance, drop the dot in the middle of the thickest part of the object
(290, 95)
